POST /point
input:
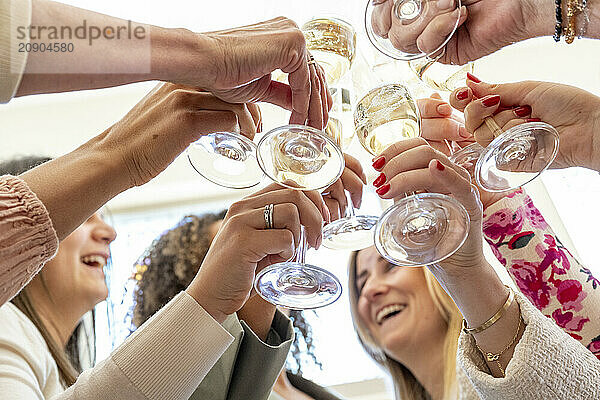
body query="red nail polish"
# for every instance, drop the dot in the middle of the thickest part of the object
(439, 165)
(379, 163)
(383, 190)
(463, 94)
(533, 120)
(473, 78)
(522, 111)
(380, 180)
(491, 101)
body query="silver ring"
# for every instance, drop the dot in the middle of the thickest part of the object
(268, 215)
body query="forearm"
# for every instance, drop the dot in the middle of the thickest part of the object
(74, 186)
(479, 293)
(109, 51)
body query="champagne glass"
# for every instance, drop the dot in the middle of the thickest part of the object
(419, 229)
(296, 285)
(514, 158)
(332, 42)
(301, 158)
(438, 76)
(352, 232)
(227, 159)
(412, 23)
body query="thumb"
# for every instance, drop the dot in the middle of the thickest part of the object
(510, 93)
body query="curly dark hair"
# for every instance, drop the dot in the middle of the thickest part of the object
(172, 261)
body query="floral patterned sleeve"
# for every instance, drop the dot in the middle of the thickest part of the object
(543, 269)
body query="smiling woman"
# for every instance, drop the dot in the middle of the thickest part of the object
(45, 319)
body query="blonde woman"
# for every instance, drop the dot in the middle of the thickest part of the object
(410, 326)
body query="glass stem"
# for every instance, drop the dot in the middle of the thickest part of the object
(350, 208)
(301, 250)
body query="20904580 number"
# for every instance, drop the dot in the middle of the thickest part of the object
(56, 47)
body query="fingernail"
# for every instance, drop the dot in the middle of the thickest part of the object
(462, 131)
(522, 111)
(383, 190)
(444, 109)
(533, 120)
(439, 165)
(379, 162)
(463, 94)
(380, 180)
(473, 78)
(319, 241)
(491, 101)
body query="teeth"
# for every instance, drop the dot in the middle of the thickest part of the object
(98, 260)
(381, 315)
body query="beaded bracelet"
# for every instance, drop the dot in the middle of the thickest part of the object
(558, 28)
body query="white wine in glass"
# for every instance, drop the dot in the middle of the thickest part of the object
(332, 42)
(384, 116)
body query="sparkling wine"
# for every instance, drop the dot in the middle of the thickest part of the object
(332, 42)
(385, 116)
(441, 76)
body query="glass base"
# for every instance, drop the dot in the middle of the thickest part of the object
(517, 156)
(411, 19)
(226, 159)
(421, 230)
(297, 286)
(355, 233)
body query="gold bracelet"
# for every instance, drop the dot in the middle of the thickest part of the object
(493, 318)
(491, 357)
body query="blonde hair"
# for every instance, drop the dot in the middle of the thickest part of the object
(406, 386)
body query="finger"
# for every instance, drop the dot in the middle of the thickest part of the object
(381, 19)
(254, 110)
(315, 111)
(245, 121)
(440, 129)
(433, 108)
(326, 99)
(279, 94)
(334, 208)
(477, 111)
(395, 149)
(354, 185)
(336, 192)
(355, 166)
(437, 31)
(278, 242)
(460, 188)
(300, 86)
(461, 97)
(510, 93)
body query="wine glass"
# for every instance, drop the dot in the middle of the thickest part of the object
(332, 42)
(438, 76)
(412, 21)
(352, 232)
(419, 229)
(514, 158)
(227, 159)
(301, 158)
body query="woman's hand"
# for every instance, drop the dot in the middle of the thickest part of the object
(485, 26)
(243, 244)
(241, 62)
(353, 179)
(166, 121)
(415, 166)
(574, 113)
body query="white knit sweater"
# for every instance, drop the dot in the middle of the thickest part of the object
(547, 364)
